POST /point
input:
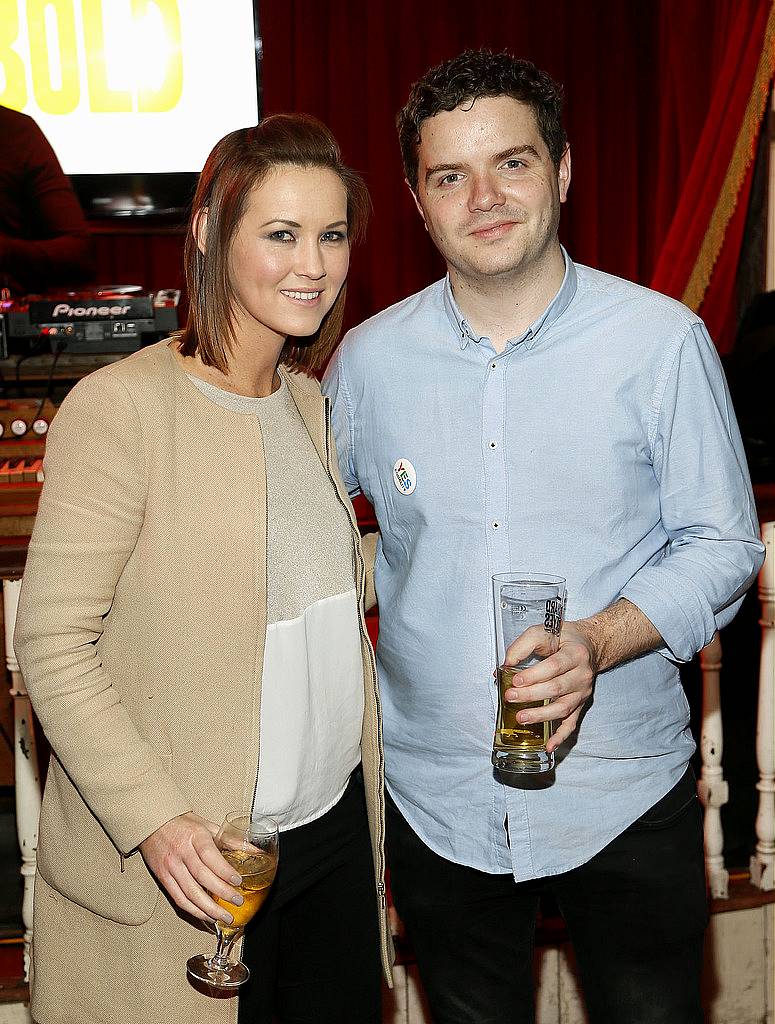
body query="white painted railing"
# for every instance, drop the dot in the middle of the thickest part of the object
(712, 789)
(27, 776)
(762, 865)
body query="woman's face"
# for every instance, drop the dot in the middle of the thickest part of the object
(290, 254)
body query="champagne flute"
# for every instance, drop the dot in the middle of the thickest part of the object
(250, 843)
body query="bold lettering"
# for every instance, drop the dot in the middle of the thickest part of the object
(102, 98)
(62, 99)
(60, 308)
(14, 92)
(167, 95)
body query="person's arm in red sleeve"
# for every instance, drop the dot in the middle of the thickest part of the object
(57, 246)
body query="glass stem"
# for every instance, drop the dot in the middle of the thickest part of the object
(220, 958)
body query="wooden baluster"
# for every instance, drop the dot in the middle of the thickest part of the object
(713, 790)
(26, 766)
(762, 864)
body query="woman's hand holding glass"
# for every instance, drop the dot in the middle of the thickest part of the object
(250, 842)
(185, 859)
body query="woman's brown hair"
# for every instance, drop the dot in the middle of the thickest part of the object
(238, 164)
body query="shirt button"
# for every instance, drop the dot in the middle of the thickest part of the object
(493, 366)
(493, 444)
(495, 525)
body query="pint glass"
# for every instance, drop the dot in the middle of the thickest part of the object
(520, 600)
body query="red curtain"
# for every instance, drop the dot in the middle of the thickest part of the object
(700, 251)
(655, 92)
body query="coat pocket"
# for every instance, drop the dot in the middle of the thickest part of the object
(78, 859)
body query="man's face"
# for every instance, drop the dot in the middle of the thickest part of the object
(487, 188)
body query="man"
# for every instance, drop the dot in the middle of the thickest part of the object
(528, 413)
(44, 238)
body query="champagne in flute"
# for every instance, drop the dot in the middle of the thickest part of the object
(249, 842)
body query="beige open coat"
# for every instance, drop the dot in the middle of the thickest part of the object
(140, 635)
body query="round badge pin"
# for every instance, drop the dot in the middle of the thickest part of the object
(404, 476)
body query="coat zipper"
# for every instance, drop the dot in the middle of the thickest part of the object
(255, 666)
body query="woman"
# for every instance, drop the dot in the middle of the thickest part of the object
(194, 594)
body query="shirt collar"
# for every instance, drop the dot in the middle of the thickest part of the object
(553, 311)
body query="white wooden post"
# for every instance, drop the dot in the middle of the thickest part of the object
(25, 764)
(713, 790)
(762, 864)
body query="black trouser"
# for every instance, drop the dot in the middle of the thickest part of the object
(636, 913)
(313, 949)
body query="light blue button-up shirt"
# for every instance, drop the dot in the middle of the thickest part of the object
(600, 445)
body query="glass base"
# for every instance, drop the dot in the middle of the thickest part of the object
(204, 968)
(523, 761)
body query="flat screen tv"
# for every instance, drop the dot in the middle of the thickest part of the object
(132, 94)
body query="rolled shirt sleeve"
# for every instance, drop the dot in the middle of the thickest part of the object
(707, 505)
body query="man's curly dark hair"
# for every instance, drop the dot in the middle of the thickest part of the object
(469, 76)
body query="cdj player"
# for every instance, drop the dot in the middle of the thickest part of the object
(116, 318)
